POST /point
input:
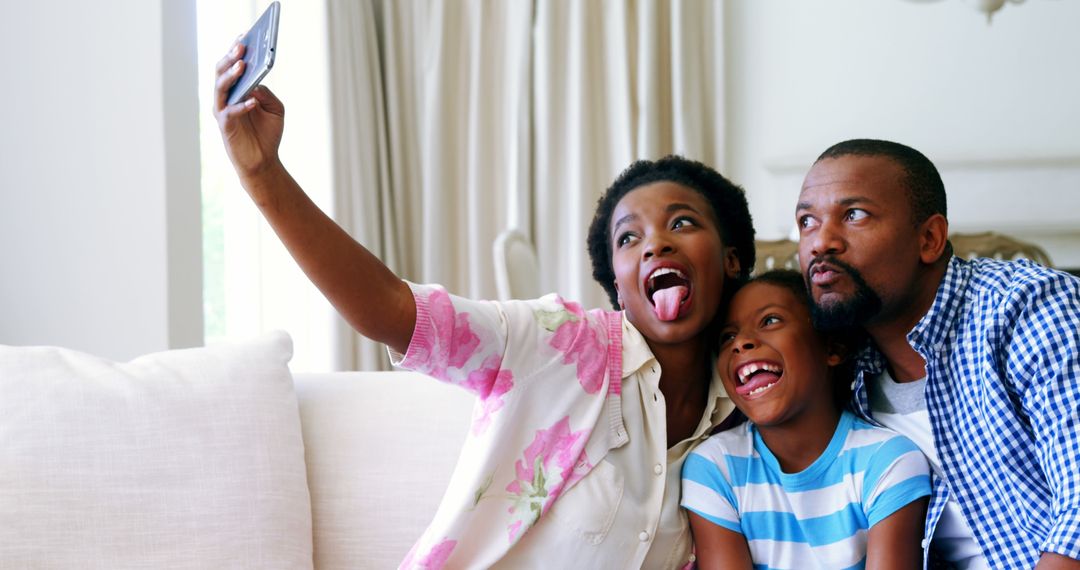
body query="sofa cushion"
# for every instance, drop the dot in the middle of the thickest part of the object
(180, 459)
(381, 447)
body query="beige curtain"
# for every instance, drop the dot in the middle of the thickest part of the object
(366, 173)
(615, 81)
(456, 119)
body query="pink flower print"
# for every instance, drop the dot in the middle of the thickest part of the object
(514, 529)
(436, 557)
(542, 473)
(490, 382)
(450, 342)
(578, 342)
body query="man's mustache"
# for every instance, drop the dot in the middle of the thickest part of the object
(830, 260)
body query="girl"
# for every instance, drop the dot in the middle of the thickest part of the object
(803, 484)
(583, 418)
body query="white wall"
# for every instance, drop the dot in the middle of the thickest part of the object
(99, 196)
(994, 106)
(99, 221)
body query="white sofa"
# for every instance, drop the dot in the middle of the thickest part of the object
(217, 458)
(379, 448)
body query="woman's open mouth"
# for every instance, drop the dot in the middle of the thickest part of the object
(668, 289)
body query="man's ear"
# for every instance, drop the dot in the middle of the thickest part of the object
(732, 267)
(933, 238)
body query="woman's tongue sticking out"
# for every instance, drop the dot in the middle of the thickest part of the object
(666, 302)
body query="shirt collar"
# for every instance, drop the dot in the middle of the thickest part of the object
(930, 332)
(932, 329)
(635, 351)
(637, 355)
(713, 407)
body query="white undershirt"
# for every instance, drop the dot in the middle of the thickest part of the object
(901, 407)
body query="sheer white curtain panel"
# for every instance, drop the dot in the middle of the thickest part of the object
(456, 119)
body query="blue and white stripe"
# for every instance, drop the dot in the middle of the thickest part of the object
(818, 517)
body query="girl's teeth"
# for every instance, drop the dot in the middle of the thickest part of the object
(761, 389)
(745, 372)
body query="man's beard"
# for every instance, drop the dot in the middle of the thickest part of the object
(863, 304)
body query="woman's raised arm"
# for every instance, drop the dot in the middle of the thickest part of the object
(375, 301)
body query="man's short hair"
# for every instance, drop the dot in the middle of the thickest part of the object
(926, 191)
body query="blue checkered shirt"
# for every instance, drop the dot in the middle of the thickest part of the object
(1002, 348)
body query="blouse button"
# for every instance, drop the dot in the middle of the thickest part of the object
(644, 536)
(658, 469)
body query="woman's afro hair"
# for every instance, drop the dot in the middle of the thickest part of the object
(728, 202)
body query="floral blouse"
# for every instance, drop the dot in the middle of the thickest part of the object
(548, 381)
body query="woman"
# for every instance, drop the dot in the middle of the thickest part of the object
(583, 418)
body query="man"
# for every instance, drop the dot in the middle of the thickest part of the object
(976, 361)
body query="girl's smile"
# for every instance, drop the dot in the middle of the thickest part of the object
(773, 363)
(757, 376)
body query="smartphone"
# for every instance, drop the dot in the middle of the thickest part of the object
(260, 43)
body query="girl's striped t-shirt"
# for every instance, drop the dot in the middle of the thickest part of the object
(816, 518)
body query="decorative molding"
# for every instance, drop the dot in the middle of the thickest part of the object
(789, 165)
(1035, 198)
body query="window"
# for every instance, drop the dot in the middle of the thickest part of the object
(251, 284)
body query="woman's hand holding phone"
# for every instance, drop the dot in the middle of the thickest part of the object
(252, 128)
